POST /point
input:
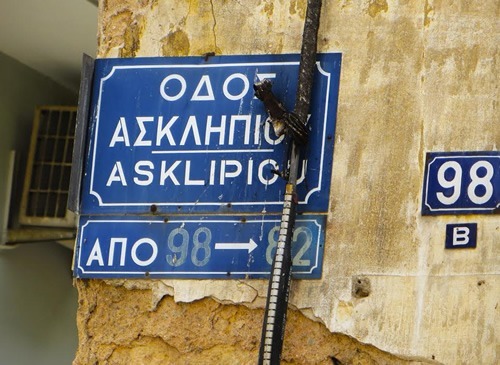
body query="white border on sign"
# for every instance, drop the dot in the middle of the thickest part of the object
(452, 209)
(173, 273)
(214, 203)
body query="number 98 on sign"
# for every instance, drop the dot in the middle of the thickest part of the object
(461, 183)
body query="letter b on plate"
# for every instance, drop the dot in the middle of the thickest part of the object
(462, 235)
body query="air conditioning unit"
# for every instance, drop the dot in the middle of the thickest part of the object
(43, 212)
(48, 169)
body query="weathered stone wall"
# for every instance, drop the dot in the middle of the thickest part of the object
(417, 76)
(121, 324)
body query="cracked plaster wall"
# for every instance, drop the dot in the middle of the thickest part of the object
(416, 77)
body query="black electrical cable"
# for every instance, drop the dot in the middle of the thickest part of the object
(273, 329)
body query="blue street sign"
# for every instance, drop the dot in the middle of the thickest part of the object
(224, 247)
(187, 135)
(461, 183)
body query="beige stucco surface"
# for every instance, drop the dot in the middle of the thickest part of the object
(417, 77)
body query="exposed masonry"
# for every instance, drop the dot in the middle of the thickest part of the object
(118, 324)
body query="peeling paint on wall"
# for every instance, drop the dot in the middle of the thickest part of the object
(117, 326)
(175, 44)
(377, 6)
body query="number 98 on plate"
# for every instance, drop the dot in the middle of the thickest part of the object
(461, 183)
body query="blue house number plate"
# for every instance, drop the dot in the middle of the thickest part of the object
(461, 183)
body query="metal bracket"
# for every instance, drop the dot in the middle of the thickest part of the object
(82, 117)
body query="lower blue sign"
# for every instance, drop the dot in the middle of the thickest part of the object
(201, 247)
(461, 183)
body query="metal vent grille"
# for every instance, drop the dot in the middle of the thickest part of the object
(45, 193)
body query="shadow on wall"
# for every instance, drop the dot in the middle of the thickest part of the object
(37, 301)
(37, 305)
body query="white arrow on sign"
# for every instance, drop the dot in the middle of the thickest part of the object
(250, 246)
